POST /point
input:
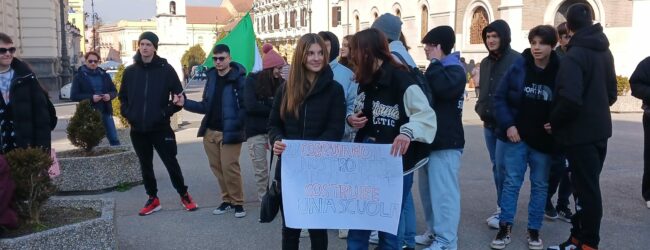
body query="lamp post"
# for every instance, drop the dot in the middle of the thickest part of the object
(65, 59)
(309, 11)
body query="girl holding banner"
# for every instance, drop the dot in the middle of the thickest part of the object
(390, 108)
(310, 106)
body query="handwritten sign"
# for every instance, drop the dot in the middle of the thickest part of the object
(338, 185)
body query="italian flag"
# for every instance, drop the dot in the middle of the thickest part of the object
(243, 46)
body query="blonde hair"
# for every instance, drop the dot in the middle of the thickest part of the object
(298, 86)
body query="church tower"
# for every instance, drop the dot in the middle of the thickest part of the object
(171, 21)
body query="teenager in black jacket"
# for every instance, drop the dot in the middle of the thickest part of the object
(581, 120)
(390, 109)
(258, 100)
(640, 84)
(311, 106)
(147, 86)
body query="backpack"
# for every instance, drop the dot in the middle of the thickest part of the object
(420, 80)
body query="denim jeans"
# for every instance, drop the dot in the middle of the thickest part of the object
(496, 154)
(407, 222)
(111, 131)
(358, 239)
(439, 181)
(518, 156)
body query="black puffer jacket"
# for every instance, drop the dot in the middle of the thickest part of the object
(146, 93)
(585, 88)
(640, 82)
(258, 108)
(34, 116)
(322, 114)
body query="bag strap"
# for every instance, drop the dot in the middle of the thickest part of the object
(401, 59)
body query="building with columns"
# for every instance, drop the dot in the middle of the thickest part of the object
(281, 22)
(36, 27)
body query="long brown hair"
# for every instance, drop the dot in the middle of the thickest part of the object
(297, 86)
(347, 61)
(266, 84)
(366, 47)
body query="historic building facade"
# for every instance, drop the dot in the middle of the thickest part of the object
(281, 22)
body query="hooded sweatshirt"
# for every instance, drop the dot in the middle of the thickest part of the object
(493, 67)
(640, 82)
(447, 80)
(585, 88)
(88, 82)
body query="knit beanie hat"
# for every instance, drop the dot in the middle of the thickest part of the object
(390, 24)
(443, 35)
(153, 38)
(271, 58)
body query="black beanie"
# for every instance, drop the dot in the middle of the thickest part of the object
(443, 35)
(153, 38)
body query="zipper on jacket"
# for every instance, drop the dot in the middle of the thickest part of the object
(146, 88)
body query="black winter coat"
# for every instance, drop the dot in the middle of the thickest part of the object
(258, 109)
(82, 88)
(34, 116)
(322, 114)
(585, 88)
(640, 82)
(146, 93)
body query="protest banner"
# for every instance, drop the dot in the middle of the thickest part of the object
(338, 185)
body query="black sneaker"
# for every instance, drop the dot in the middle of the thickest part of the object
(239, 211)
(570, 244)
(550, 212)
(503, 236)
(565, 214)
(534, 242)
(223, 208)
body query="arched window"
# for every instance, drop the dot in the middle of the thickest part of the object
(560, 15)
(479, 22)
(356, 23)
(398, 13)
(200, 40)
(172, 8)
(424, 23)
(375, 15)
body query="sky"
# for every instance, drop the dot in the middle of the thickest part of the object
(112, 11)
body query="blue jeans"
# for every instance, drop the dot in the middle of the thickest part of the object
(492, 144)
(111, 131)
(518, 156)
(439, 181)
(407, 222)
(358, 239)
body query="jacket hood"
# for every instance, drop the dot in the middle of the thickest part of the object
(591, 37)
(157, 61)
(553, 63)
(236, 71)
(452, 59)
(503, 29)
(20, 68)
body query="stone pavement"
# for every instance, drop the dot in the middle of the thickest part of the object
(626, 221)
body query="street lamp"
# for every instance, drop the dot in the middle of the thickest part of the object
(65, 60)
(309, 11)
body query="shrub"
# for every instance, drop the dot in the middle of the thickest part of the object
(29, 170)
(194, 56)
(622, 85)
(116, 101)
(86, 129)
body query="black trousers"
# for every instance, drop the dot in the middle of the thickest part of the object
(559, 177)
(645, 187)
(164, 142)
(291, 237)
(586, 163)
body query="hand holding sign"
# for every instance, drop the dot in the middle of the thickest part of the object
(279, 147)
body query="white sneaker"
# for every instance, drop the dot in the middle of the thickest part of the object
(647, 203)
(493, 220)
(343, 233)
(304, 233)
(534, 241)
(425, 239)
(374, 237)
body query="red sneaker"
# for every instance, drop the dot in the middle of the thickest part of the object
(152, 205)
(188, 203)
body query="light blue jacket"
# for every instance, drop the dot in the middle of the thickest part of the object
(345, 77)
(399, 48)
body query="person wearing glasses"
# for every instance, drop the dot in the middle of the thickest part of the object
(147, 87)
(93, 83)
(222, 127)
(27, 116)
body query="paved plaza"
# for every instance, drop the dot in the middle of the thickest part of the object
(626, 221)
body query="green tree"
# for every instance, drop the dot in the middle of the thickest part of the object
(116, 101)
(194, 56)
(85, 129)
(622, 84)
